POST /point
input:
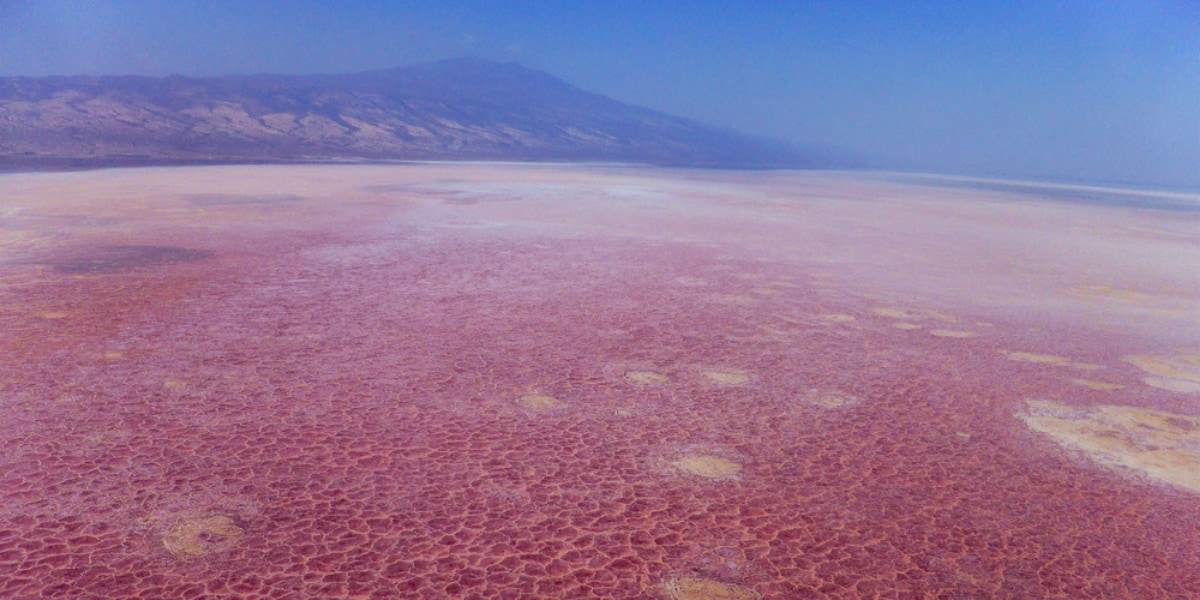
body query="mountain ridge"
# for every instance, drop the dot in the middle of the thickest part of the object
(456, 109)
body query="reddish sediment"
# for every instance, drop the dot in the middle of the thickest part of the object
(334, 408)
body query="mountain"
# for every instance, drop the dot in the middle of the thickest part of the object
(447, 110)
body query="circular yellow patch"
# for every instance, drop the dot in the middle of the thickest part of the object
(192, 535)
(646, 377)
(727, 377)
(707, 465)
(539, 402)
(695, 588)
(951, 333)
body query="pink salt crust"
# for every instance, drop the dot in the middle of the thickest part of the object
(345, 393)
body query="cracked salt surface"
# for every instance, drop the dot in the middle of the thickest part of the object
(554, 381)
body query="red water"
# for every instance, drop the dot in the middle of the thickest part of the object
(347, 399)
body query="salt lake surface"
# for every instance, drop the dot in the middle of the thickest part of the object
(519, 381)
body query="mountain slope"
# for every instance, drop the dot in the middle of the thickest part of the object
(454, 109)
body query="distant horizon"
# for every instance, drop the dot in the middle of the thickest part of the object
(1142, 186)
(1067, 181)
(1130, 188)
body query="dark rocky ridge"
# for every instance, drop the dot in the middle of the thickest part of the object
(454, 109)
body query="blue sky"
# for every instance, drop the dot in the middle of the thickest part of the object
(1093, 91)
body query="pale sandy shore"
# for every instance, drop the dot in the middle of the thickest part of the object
(1015, 251)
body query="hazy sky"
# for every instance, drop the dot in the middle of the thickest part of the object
(1093, 91)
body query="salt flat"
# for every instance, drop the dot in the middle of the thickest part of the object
(502, 380)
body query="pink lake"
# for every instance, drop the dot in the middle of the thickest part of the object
(552, 381)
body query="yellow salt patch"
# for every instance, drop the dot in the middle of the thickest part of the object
(1048, 359)
(828, 399)
(750, 276)
(646, 377)
(1162, 445)
(53, 315)
(1183, 386)
(833, 401)
(893, 313)
(539, 402)
(913, 315)
(708, 465)
(838, 317)
(906, 326)
(173, 384)
(728, 377)
(1184, 368)
(192, 534)
(1037, 358)
(764, 291)
(112, 355)
(1097, 385)
(952, 334)
(695, 588)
